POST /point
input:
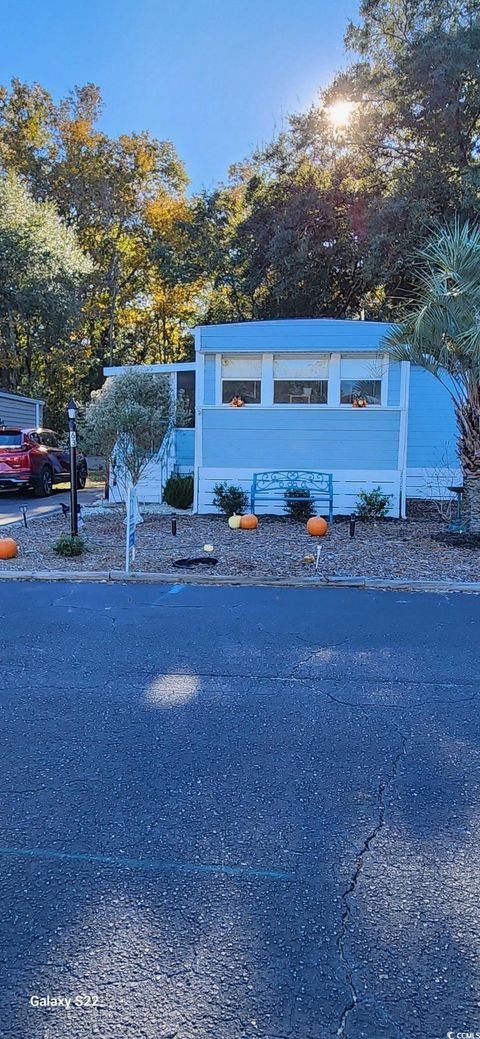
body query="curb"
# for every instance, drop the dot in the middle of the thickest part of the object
(152, 577)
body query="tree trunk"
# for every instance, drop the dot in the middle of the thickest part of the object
(112, 305)
(468, 418)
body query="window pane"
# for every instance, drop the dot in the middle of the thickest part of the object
(303, 367)
(10, 439)
(241, 366)
(48, 439)
(248, 390)
(295, 392)
(186, 386)
(369, 389)
(362, 367)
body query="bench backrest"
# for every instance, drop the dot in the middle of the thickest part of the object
(282, 479)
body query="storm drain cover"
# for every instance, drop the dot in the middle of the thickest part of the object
(184, 564)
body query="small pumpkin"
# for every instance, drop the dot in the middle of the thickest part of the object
(8, 548)
(234, 521)
(248, 522)
(317, 526)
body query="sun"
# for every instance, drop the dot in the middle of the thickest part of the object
(340, 113)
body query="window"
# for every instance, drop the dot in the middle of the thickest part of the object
(369, 389)
(249, 390)
(10, 439)
(186, 387)
(48, 439)
(242, 377)
(300, 379)
(360, 377)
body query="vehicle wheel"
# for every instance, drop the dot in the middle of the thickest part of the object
(81, 477)
(44, 487)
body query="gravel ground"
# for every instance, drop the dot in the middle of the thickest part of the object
(392, 548)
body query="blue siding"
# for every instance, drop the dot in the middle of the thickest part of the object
(394, 371)
(322, 334)
(269, 438)
(431, 423)
(209, 381)
(184, 447)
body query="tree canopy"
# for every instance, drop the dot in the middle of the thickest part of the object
(320, 222)
(44, 278)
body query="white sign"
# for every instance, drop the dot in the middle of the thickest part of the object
(131, 527)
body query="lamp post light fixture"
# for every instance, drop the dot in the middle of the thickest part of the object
(72, 437)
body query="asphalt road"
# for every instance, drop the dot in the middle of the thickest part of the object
(238, 813)
(11, 503)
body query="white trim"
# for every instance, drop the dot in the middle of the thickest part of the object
(218, 378)
(403, 434)
(306, 407)
(266, 389)
(199, 406)
(384, 378)
(150, 369)
(333, 388)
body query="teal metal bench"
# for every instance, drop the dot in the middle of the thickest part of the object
(272, 488)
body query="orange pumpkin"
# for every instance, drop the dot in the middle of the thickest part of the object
(317, 526)
(248, 522)
(8, 548)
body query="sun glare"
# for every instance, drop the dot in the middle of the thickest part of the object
(340, 113)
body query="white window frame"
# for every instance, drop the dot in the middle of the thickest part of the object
(219, 378)
(382, 378)
(267, 381)
(323, 355)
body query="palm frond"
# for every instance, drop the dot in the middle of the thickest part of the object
(440, 327)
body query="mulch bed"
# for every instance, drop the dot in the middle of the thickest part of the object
(457, 540)
(419, 549)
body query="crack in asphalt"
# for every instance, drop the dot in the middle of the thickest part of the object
(397, 706)
(314, 653)
(349, 892)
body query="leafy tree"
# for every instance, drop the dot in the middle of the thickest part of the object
(416, 120)
(43, 275)
(330, 215)
(440, 331)
(111, 191)
(128, 419)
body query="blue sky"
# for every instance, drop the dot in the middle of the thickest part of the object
(217, 77)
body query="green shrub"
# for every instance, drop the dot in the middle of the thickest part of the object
(372, 505)
(178, 491)
(67, 545)
(302, 507)
(230, 499)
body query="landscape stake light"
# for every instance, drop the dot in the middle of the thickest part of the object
(72, 437)
(353, 518)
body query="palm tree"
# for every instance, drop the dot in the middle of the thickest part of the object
(440, 331)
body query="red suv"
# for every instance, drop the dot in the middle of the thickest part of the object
(36, 458)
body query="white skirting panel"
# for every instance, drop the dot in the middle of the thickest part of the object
(149, 487)
(346, 485)
(432, 483)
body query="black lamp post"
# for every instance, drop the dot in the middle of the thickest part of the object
(72, 427)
